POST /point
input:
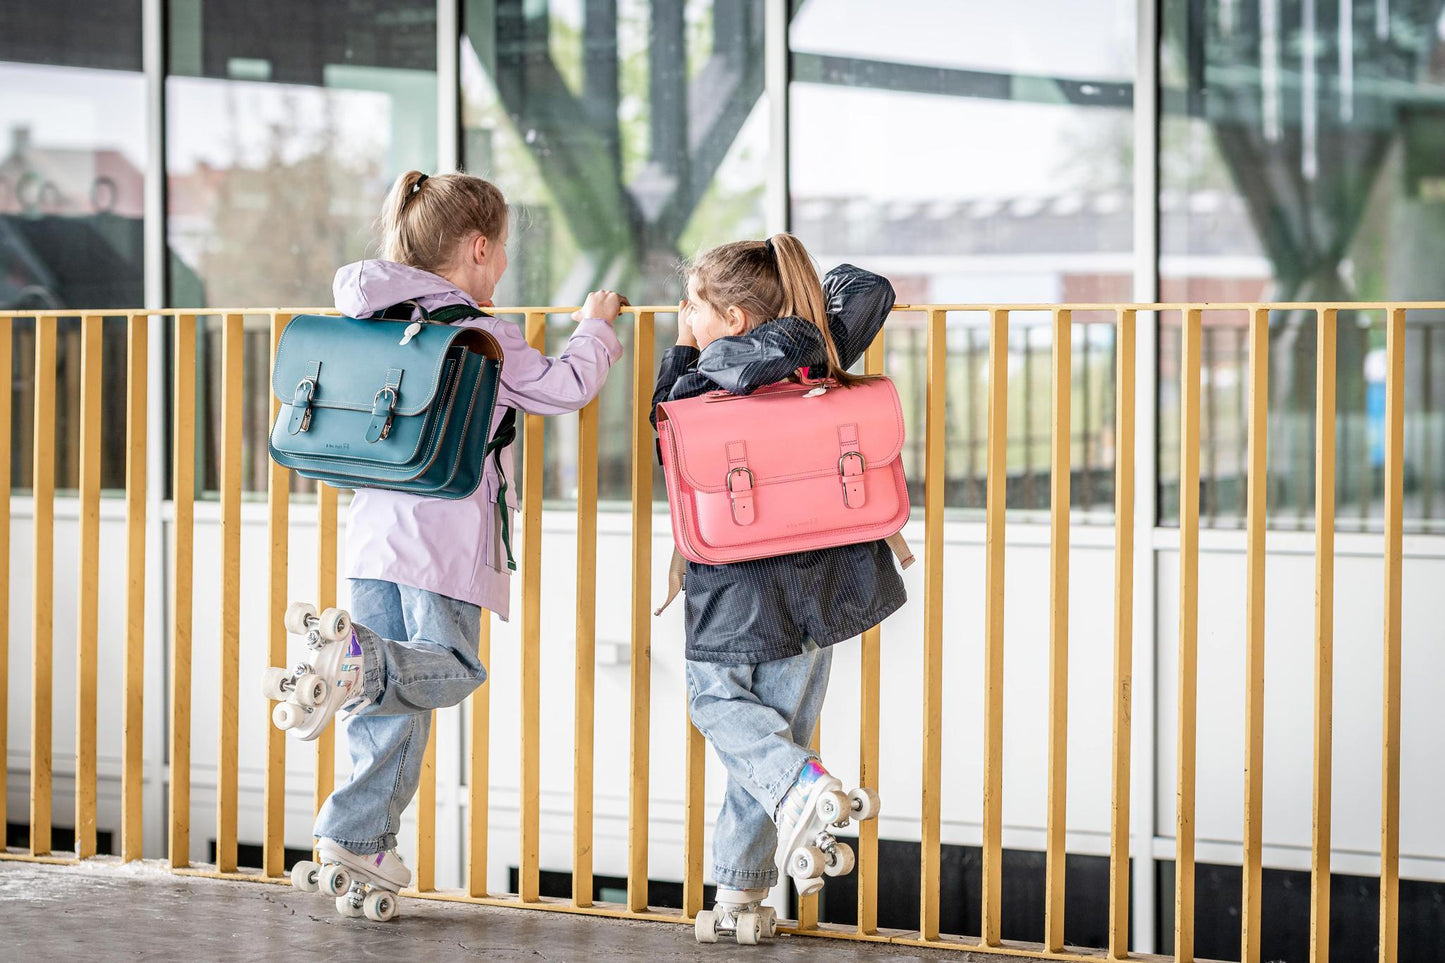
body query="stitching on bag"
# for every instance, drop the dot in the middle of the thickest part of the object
(680, 448)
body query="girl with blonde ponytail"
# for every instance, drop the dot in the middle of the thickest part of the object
(760, 633)
(421, 570)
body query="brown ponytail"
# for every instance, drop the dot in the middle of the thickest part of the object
(424, 218)
(768, 280)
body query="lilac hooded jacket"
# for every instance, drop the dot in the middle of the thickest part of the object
(453, 546)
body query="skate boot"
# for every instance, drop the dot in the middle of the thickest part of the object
(364, 885)
(811, 810)
(328, 677)
(739, 913)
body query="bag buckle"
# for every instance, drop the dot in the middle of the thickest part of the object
(741, 498)
(851, 476)
(301, 406)
(381, 418)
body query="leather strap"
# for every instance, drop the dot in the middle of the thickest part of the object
(740, 483)
(301, 402)
(851, 467)
(900, 548)
(383, 405)
(676, 572)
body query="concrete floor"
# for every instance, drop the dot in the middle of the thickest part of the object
(105, 911)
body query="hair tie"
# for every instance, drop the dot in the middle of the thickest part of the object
(419, 181)
(769, 245)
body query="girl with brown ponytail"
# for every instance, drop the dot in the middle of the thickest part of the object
(760, 633)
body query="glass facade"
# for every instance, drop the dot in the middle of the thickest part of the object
(1302, 159)
(971, 151)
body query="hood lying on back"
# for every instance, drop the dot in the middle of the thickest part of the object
(367, 287)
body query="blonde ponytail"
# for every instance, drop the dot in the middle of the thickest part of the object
(424, 218)
(768, 280)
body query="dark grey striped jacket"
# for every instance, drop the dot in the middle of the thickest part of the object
(766, 609)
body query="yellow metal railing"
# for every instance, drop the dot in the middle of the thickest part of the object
(182, 406)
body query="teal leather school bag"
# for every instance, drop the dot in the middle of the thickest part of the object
(394, 404)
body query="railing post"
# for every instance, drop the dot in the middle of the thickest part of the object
(87, 619)
(1059, 500)
(183, 414)
(43, 587)
(229, 695)
(1390, 749)
(278, 496)
(135, 529)
(7, 371)
(868, 702)
(934, 485)
(586, 659)
(1325, 346)
(527, 874)
(1188, 635)
(1251, 903)
(997, 497)
(640, 689)
(1123, 637)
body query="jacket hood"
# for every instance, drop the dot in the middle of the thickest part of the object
(367, 287)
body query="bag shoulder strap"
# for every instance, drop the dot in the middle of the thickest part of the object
(402, 311)
(505, 434)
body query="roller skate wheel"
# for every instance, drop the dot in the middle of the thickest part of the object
(287, 715)
(335, 880)
(346, 908)
(842, 860)
(864, 802)
(750, 929)
(834, 807)
(705, 927)
(311, 690)
(807, 862)
(271, 683)
(305, 876)
(770, 921)
(298, 616)
(379, 906)
(335, 625)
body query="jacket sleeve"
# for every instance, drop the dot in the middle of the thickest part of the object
(677, 361)
(858, 303)
(768, 353)
(542, 385)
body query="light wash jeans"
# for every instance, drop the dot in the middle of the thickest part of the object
(420, 654)
(759, 718)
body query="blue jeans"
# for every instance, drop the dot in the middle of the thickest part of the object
(420, 654)
(759, 718)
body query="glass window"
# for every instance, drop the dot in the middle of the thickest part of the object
(1303, 159)
(626, 137)
(72, 186)
(987, 158)
(285, 126)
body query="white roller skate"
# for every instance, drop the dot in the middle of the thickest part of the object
(738, 913)
(816, 805)
(328, 677)
(363, 885)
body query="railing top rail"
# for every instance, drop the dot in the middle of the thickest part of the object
(672, 308)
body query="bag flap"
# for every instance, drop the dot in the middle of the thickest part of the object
(351, 359)
(788, 433)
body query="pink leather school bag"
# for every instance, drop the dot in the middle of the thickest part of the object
(788, 468)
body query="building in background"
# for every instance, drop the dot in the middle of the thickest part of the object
(973, 151)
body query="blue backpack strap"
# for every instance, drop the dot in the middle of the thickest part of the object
(505, 434)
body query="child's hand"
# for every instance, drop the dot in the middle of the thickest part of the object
(602, 305)
(685, 337)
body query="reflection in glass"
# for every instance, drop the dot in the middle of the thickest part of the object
(285, 125)
(72, 183)
(1303, 158)
(626, 137)
(985, 159)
